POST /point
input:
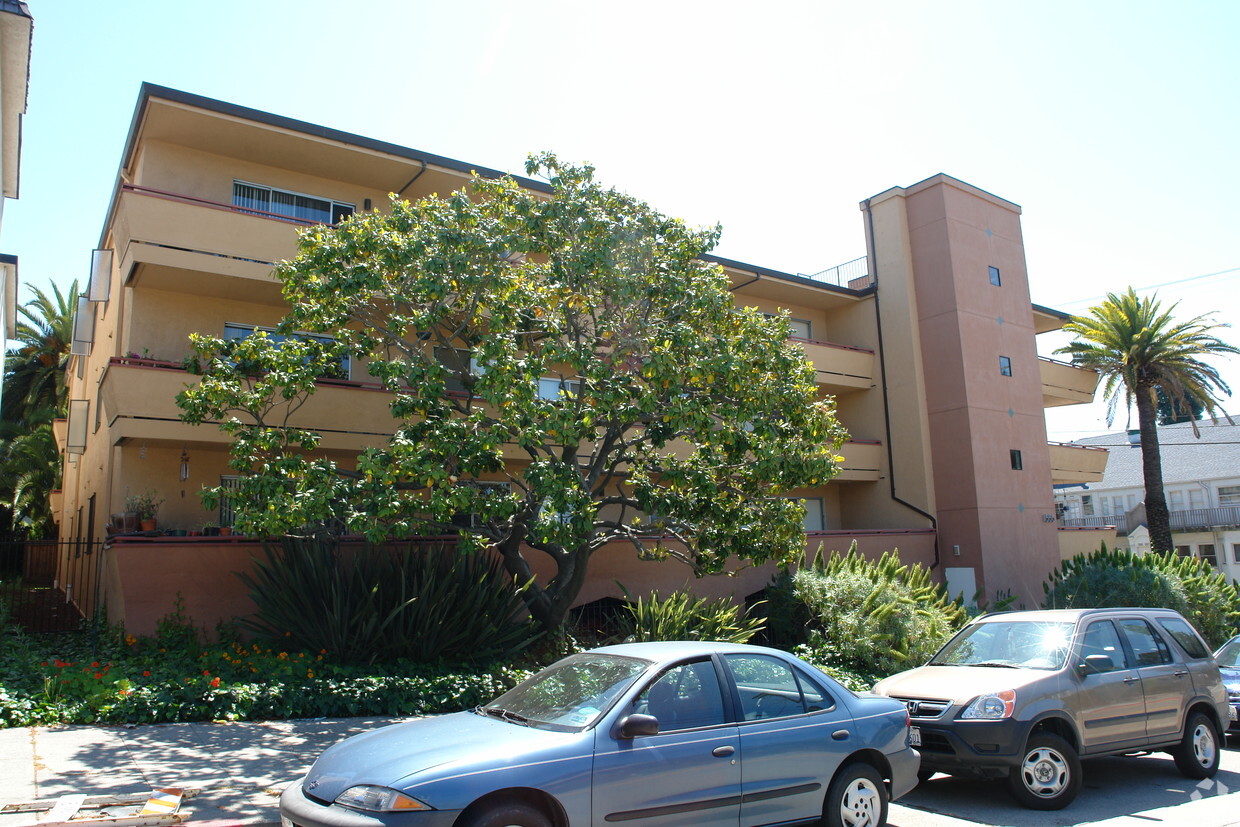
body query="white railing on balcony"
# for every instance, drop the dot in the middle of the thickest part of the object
(1192, 519)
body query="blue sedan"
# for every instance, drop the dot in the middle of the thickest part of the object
(654, 734)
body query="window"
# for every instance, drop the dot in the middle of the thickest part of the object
(815, 514)
(1005, 366)
(485, 489)
(1149, 648)
(1087, 505)
(552, 388)
(457, 361)
(1102, 639)
(1185, 636)
(1229, 495)
(994, 276)
(1196, 499)
(244, 331)
(228, 514)
(1206, 552)
(290, 204)
(684, 697)
(797, 328)
(769, 688)
(1175, 501)
(1018, 464)
(1235, 552)
(1119, 505)
(1184, 551)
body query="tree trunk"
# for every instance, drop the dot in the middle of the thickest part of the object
(548, 605)
(1156, 515)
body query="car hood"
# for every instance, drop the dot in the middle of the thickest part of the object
(959, 684)
(390, 755)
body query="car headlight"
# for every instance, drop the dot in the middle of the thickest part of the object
(378, 799)
(992, 706)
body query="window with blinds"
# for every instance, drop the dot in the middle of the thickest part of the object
(294, 205)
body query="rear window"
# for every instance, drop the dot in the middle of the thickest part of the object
(1185, 636)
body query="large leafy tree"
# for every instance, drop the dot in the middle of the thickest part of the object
(571, 345)
(1141, 350)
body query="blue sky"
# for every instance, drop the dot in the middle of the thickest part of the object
(1113, 124)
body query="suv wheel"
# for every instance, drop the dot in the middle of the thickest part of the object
(1197, 756)
(1048, 776)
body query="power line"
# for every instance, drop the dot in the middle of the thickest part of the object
(1156, 287)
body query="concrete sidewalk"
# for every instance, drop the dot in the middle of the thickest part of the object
(237, 769)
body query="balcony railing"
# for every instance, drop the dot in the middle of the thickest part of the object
(855, 274)
(1192, 519)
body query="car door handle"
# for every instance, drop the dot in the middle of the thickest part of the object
(840, 735)
(1131, 679)
(1179, 673)
(722, 752)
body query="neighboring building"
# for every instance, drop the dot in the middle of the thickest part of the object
(927, 343)
(15, 34)
(1201, 478)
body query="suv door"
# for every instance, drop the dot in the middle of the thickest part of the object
(1110, 702)
(1165, 681)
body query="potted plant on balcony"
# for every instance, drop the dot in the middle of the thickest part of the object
(146, 506)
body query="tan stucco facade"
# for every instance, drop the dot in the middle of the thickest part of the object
(912, 362)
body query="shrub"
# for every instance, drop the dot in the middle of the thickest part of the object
(682, 616)
(873, 618)
(1112, 577)
(382, 603)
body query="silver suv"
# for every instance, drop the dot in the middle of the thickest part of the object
(1025, 695)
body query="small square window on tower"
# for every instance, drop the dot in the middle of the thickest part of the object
(994, 276)
(1005, 365)
(1017, 463)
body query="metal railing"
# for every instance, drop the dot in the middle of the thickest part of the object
(855, 274)
(51, 585)
(1192, 519)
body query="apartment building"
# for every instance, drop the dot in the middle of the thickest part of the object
(927, 342)
(1201, 479)
(16, 28)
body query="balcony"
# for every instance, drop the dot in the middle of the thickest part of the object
(1066, 384)
(863, 460)
(185, 233)
(1076, 463)
(1192, 519)
(839, 368)
(138, 400)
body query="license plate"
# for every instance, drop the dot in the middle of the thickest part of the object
(1231, 712)
(914, 736)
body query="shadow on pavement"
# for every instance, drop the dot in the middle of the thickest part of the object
(1121, 786)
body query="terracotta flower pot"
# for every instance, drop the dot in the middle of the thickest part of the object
(148, 525)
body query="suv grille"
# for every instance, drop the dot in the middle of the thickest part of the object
(924, 708)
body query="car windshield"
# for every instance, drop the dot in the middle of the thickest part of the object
(569, 695)
(1229, 655)
(1014, 644)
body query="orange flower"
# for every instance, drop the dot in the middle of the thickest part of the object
(215, 683)
(99, 676)
(206, 673)
(146, 674)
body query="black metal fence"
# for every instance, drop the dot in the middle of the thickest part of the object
(51, 585)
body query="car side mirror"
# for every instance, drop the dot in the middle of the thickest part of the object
(1095, 664)
(637, 724)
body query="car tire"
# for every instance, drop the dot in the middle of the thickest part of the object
(1199, 752)
(1048, 776)
(857, 797)
(507, 814)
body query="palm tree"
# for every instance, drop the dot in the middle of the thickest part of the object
(1140, 349)
(29, 472)
(36, 369)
